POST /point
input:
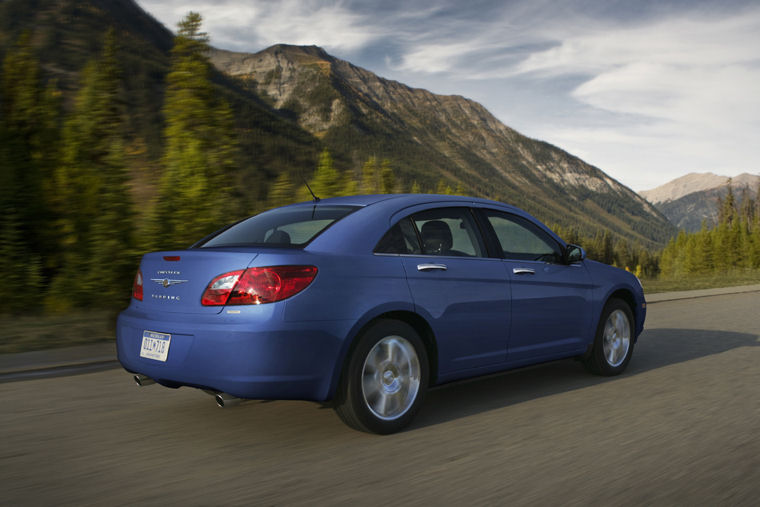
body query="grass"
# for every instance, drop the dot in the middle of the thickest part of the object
(701, 282)
(24, 333)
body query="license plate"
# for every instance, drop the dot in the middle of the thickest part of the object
(155, 345)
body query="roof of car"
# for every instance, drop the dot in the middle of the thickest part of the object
(400, 199)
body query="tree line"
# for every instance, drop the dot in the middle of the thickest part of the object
(730, 247)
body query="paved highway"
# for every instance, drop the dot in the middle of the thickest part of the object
(681, 426)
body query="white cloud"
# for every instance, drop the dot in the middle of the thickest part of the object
(591, 46)
(687, 88)
(440, 57)
(247, 26)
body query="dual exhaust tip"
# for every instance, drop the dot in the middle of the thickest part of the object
(222, 399)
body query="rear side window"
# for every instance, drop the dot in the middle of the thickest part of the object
(448, 232)
(282, 227)
(400, 239)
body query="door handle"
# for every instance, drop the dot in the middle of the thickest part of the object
(431, 267)
(523, 271)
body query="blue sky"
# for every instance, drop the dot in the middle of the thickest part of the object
(645, 90)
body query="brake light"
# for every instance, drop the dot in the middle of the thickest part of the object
(218, 291)
(137, 286)
(255, 286)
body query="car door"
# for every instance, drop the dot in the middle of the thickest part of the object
(550, 300)
(463, 294)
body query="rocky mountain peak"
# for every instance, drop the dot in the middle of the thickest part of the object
(436, 137)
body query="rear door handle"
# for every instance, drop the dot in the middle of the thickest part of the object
(431, 267)
(523, 271)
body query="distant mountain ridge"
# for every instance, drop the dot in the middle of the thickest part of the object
(691, 199)
(696, 182)
(429, 136)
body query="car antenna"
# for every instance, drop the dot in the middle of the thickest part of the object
(316, 199)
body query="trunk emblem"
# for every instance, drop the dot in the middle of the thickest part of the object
(166, 281)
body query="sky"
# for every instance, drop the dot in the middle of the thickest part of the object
(645, 90)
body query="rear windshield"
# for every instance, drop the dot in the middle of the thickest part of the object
(283, 227)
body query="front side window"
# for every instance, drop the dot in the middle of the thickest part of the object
(521, 240)
(281, 227)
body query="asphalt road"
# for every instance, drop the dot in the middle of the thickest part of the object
(680, 427)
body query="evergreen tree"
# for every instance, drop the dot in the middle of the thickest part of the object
(387, 177)
(668, 260)
(94, 206)
(29, 115)
(608, 253)
(370, 183)
(416, 189)
(725, 246)
(201, 150)
(351, 185)
(754, 253)
(623, 256)
(747, 211)
(727, 207)
(649, 264)
(705, 250)
(692, 264)
(327, 181)
(19, 268)
(281, 192)
(443, 188)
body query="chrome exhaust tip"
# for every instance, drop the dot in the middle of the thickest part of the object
(225, 400)
(142, 380)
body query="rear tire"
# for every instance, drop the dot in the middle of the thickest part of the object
(613, 344)
(382, 387)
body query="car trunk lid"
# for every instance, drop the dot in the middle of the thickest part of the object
(175, 281)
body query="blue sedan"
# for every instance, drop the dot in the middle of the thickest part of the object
(364, 302)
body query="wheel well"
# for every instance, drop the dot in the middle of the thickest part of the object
(419, 324)
(627, 297)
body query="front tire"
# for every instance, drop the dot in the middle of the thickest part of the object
(613, 344)
(386, 377)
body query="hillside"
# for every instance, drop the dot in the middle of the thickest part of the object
(66, 34)
(429, 137)
(291, 102)
(691, 199)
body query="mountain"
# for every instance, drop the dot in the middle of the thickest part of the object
(691, 199)
(291, 102)
(430, 137)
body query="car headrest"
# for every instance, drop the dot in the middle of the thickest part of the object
(436, 237)
(279, 238)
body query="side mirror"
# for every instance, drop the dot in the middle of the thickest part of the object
(574, 253)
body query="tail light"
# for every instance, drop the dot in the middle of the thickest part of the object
(137, 286)
(255, 286)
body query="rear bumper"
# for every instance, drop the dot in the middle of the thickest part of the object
(247, 355)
